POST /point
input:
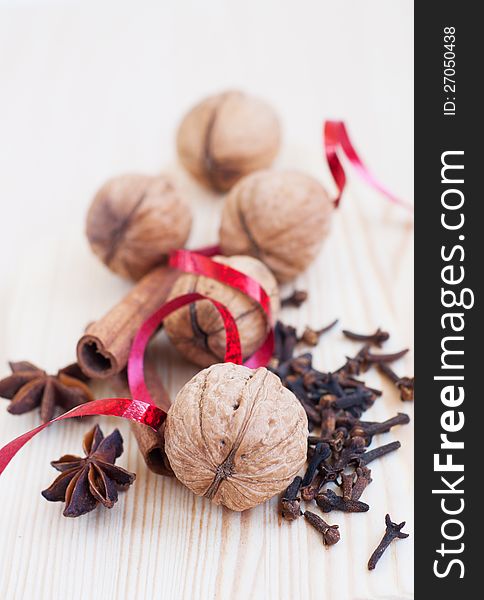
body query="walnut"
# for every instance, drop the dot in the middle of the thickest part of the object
(135, 220)
(236, 435)
(281, 217)
(197, 330)
(227, 136)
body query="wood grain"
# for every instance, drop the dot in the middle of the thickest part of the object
(88, 92)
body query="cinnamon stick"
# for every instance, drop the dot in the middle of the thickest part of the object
(151, 443)
(103, 350)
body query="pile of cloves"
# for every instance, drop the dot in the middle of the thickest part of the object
(334, 404)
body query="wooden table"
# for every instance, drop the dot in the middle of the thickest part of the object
(91, 91)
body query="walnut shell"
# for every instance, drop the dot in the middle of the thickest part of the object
(281, 217)
(227, 136)
(197, 330)
(135, 220)
(236, 435)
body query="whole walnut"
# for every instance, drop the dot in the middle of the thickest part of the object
(227, 136)
(135, 220)
(236, 435)
(197, 330)
(281, 217)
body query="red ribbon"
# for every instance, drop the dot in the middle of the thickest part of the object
(134, 410)
(335, 137)
(195, 262)
(142, 409)
(136, 380)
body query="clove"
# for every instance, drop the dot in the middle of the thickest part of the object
(368, 429)
(296, 299)
(322, 451)
(363, 480)
(330, 533)
(309, 492)
(392, 532)
(347, 481)
(290, 502)
(311, 336)
(404, 384)
(367, 457)
(328, 501)
(376, 338)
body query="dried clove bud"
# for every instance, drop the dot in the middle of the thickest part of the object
(404, 384)
(347, 481)
(330, 533)
(290, 502)
(393, 531)
(368, 457)
(311, 337)
(363, 480)
(368, 429)
(328, 501)
(309, 492)
(376, 338)
(322, 451)
(296, 299)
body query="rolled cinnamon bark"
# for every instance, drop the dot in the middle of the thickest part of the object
(104, 348)
(151, 443)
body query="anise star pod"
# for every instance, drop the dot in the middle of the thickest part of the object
(29, 387)
(86, 482)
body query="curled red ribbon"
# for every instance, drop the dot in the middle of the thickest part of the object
(335, 137)
(134, 410)
(136, 378)
(141, 408)
(200, 264)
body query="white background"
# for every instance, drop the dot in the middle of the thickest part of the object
(92, 89)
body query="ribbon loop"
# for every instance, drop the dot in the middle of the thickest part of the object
(335, 137)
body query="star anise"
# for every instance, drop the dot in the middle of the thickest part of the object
(86, 482)
(28, 387)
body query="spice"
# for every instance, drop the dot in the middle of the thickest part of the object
(321, 453)
(290, 501)
(235, 435)
(29, 387)
(368, 429)
(330, 533)
(404, 384)
(335, 402)
(393, 531)
(135, 221)
(371, 455)
(227, 136)
(347, 481)
(285, 340)
(376, 338)
(296, 299)
(104, 348)
(363, 480)
(311, 336)
(286, 244)
(310, 491)
(86, 482)
(328, 501)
